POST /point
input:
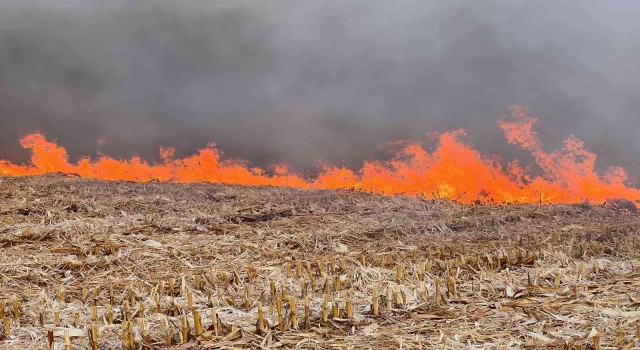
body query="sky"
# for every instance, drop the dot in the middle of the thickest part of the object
(300, 81)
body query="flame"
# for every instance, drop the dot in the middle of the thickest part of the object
(453, 170)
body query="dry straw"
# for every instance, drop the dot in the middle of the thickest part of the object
(113, 265)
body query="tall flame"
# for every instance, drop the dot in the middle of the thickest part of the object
(453, 170)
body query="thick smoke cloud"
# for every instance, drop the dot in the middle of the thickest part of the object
(272, 81)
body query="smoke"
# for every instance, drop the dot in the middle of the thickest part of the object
(294, 81)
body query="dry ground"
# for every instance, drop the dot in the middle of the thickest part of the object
(120, 263)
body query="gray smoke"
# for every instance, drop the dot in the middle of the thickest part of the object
(295, 80)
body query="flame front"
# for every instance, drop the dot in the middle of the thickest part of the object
(453, 170)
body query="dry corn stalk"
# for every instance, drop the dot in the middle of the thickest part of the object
(185, 328)
(375, 305)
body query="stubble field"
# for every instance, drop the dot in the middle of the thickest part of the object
(90, 264)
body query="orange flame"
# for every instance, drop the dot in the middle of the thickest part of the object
(453, 170)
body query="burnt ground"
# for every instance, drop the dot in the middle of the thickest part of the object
(136, 265)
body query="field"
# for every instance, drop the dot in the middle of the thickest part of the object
(87, 264)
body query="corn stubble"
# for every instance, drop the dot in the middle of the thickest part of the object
(103, 265)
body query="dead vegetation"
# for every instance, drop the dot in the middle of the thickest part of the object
(113, 265)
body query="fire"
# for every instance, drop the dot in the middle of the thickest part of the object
(453, 170)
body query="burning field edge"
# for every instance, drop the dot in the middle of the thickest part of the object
(89, 264)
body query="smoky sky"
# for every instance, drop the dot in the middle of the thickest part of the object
(295, 81)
